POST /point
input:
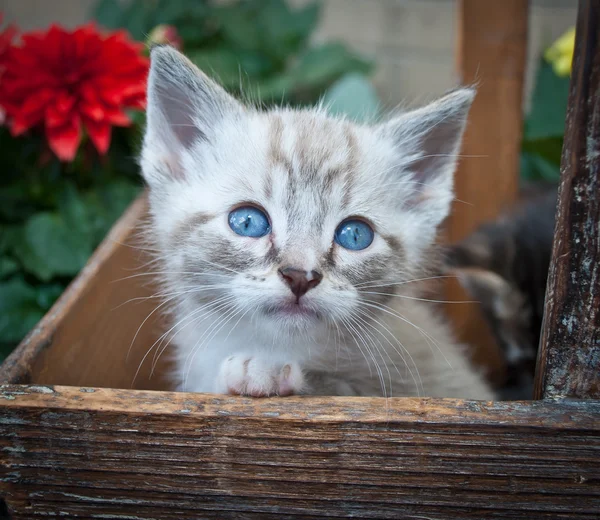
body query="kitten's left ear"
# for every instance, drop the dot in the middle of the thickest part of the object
(428, 142)
(184, 109)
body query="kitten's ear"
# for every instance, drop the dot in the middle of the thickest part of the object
(184, 107)
(474, 251)
(494, 292)
(428, 142)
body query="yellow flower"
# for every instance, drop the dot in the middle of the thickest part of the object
(560, 54)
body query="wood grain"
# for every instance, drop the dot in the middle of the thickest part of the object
(569, 355)
(491, 53)
(85, 337)
(101, 453)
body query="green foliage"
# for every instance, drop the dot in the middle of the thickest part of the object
(545, 126)
(259, 49)
(546, 117)
(22, 305)
(52, 216)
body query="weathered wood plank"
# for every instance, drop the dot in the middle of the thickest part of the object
(150, 455)
(569, 354)
(491, 51)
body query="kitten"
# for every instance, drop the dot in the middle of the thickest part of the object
(504, 265)
(291, 242)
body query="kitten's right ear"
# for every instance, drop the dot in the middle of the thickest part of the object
(184, 107)
(490, 289)
(428, 141)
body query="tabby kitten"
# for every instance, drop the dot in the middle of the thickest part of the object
(291, 242)
(504, 265)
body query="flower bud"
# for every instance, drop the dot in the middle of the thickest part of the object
(165, 34)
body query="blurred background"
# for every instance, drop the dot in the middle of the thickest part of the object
(411, 41)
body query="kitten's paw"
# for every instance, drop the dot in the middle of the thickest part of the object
(256, 377)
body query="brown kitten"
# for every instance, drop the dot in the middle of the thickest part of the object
(504, 264)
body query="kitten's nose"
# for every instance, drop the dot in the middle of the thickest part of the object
(300, 281)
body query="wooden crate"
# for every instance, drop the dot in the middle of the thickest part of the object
(78, 442)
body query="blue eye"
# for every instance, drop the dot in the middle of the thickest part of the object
(249, 221)
(354, 234)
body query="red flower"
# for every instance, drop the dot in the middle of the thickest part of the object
(66, 80)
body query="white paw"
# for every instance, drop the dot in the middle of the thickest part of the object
(257, 377)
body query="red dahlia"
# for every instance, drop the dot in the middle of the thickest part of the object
(69, 79)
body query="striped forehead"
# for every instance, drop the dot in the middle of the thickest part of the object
(312, 163)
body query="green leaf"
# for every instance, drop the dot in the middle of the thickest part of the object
(106, 204)
(354, 97)
(19, 310)
(16, 201)
(549, 148)
(254, 65)
(9, 234)
(321, 66)
(173, 11)
(221, 64)
(48, 247)
(7, 267)
(74, 212)
(536, 168)
(108, 13)
(546, 117)
(22, 306)
(138, 18)
(285, 31)
(239, 26)
(305, 21)
(46, 295)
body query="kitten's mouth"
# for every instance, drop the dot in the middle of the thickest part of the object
(292, 310)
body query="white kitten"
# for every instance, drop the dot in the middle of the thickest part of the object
(290, 242)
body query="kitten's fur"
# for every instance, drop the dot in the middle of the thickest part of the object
(504, 265)
(360, 331)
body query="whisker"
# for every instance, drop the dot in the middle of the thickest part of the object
(389, 310)
(195, 315)
(216, 329)
(404, 296)
(143, 360)
(416, 379)
(365, 285)
(375, 349)
(157, 273)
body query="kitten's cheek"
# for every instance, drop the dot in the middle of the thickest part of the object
(257, 377)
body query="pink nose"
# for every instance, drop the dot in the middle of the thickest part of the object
(298, 280)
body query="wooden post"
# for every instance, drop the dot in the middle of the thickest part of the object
(569, 354)
(491, 53)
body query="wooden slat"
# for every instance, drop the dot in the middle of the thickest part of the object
(85, 453)
(491, 52)
(569, 355)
